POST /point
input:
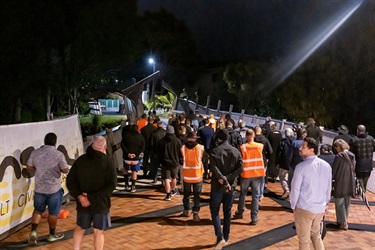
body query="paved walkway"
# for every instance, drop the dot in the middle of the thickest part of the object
(143, 220)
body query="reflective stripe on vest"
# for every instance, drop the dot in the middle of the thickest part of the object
(252, 158)
(192, 168)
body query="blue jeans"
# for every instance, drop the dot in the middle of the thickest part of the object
(255, 193)
(218, 197)
(197, 189)
(262, 182)
(342, 209)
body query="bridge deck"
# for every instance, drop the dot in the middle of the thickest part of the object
(143, 220)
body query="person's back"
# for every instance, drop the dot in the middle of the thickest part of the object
(47, 161)
(206, 135)
(234, 139)
(226, 159)
(286, 153)
(313, 131)
(326, 154)
(142, 122)
(169, 150)
(93, 171)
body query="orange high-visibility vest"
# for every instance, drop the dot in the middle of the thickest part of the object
(141, 123)
(253, 165)
(192, 168)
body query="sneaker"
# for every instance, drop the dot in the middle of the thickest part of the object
(133, 190)
(285, 195)
(127, 188)
(196, 217)
(173, 192)
(237, 215)
(33, 238)
(260, 198)
(57, 236)
(168, 198)
(219, 245)
(253, 222)
(186, 213)
(344, 226)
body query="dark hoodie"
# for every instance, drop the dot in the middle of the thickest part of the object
(93, 173)
(132, 143)
(170, 151)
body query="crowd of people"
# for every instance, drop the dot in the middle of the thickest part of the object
(224, 153)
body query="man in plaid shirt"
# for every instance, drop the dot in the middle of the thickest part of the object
(363, 146)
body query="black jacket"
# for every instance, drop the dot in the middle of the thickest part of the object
(207, 135)
(226, 164)
(93, 173)
(314, 132)
(146, 132)
(156, 136)
(328, 157)
(286, 153)
(132, 143)
(170, 151)
(235, 138)
(267, 149)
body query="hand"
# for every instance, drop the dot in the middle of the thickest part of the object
(221, 181)
(84, 200)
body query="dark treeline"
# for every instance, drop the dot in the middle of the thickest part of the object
(54, 53)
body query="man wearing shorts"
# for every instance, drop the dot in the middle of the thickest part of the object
(48, 164)
(170, 157)
(91, 181)
(132, 145)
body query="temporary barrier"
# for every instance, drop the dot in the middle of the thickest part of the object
(16, 184)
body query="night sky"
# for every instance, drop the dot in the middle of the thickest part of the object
(228, 30)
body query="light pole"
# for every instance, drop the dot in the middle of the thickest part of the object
(152, 61)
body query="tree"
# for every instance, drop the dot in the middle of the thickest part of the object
(245, 81)
(171, 43)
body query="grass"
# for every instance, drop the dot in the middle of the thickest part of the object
(88, 120)
(93, 124)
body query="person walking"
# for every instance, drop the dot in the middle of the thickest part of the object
(226, 165)
(253, 171)
(132, 145)
(146, 132)
(286, 156)
(192, 172)
(310, 194)
(363, 148)
(207, 135)
(170, 158)
(343, 186)
(48, 164)
(91, 182)
(156, 136)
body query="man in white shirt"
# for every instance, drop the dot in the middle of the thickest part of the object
(310, 194)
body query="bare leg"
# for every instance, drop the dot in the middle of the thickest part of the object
(134, 175)
(52, 221)
(36, 217)
(98, 239)
(78, 237)
(173, 184)
(167, 185)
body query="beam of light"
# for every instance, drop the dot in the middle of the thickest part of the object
(294, 61)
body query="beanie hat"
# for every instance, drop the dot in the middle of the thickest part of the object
(170, 129)
(223, 135)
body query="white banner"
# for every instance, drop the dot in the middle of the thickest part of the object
(16, 144)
